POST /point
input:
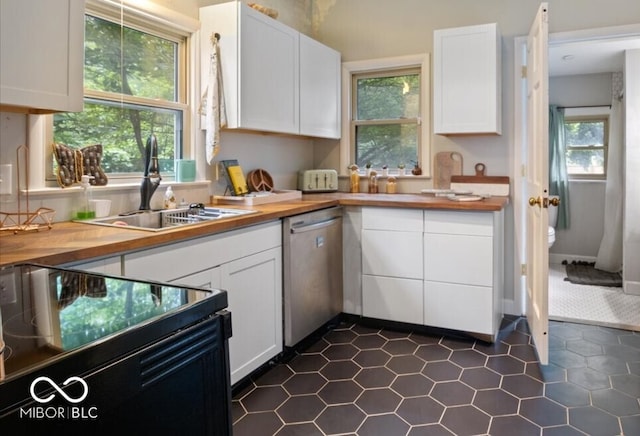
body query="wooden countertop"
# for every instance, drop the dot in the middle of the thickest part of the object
(72, 242)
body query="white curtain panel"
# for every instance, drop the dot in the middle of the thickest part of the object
(610, 253)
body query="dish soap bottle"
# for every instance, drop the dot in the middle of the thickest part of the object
(169, 199)
(84, 209)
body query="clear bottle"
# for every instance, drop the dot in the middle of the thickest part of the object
(84, 208)
(169, 199)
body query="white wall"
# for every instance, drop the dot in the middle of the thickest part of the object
(631, 223)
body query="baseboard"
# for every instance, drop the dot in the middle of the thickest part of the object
(631, 288)
(559, 258)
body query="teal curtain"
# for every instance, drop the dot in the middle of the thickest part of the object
(558, 178)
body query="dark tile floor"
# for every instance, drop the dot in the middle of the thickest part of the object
(358, 380)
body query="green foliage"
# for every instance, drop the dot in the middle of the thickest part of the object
(123, 61)
(387, 101)
(587, 136)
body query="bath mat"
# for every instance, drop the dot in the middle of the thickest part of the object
(585, 273)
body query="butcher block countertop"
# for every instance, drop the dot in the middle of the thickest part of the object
(74, 242)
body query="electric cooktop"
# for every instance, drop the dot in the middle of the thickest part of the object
(46, 313)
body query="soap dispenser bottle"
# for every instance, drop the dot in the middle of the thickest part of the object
(84, 208)
(169, 199)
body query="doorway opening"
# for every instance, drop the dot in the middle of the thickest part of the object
(595, 36)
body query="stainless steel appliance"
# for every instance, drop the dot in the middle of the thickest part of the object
(312, 248)
(88, 353)
(318, 180)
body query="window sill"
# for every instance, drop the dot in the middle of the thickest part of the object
(58, 191)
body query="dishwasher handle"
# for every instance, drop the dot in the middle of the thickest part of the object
(314, 226)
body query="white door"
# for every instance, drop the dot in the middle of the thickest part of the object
(537, 181)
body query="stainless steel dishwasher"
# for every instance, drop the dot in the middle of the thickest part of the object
(312, 244)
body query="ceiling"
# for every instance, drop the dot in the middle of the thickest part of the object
(589, 57)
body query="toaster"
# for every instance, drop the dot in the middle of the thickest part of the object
(318, 181)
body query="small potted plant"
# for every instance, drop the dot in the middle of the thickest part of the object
(401, 169)
(385, 170)
(367, 167)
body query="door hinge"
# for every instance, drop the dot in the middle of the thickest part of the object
(523, 269)
(523, 73)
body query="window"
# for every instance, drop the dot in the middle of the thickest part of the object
(386, 113)
(386, 118)
(586, 144)
(134, 86)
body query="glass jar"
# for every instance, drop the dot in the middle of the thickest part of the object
(354, 179)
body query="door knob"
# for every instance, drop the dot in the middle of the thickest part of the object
(544, 202)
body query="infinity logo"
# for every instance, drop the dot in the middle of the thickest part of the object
(57, 388)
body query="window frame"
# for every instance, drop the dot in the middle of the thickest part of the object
(419, 62)
(605, 119)
(157, 21)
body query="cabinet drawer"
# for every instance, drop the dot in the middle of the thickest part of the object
(459, 222)
(458, 307)
(184, 258)
(392, 299)
(458, 259)
(392, 253)
(378, 218)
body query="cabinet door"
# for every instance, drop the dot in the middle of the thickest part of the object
(269, 73)
(41, 55)
(467, 80)
(209, 279)
(392, 299)
(319, 89)
(110, 266)
(254, 289)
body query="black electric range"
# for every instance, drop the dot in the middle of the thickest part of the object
(79, 350)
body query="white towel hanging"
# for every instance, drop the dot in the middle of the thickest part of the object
(212, 106)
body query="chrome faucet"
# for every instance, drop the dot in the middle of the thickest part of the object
(151, 178)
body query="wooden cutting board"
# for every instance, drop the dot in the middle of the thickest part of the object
(481, 184)
(446, 165)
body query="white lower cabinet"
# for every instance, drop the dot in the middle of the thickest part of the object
(438, 268)
(392, 299)
(110, 266)
(458, 307)
(209, 278)
(463, 288)
(254, 285)
(247, 263)
(392, 264)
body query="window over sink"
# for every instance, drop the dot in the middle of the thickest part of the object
(134, 84)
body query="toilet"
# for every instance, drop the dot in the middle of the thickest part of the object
(553, 219)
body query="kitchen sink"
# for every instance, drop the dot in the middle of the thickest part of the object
(159, 220)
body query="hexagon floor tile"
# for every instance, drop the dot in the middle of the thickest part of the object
(362, 380)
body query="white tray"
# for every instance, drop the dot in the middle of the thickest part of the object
(259, 198)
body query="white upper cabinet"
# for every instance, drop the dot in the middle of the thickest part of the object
(41, 55)
(319, 89)
(467, 80)
(275, 79)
